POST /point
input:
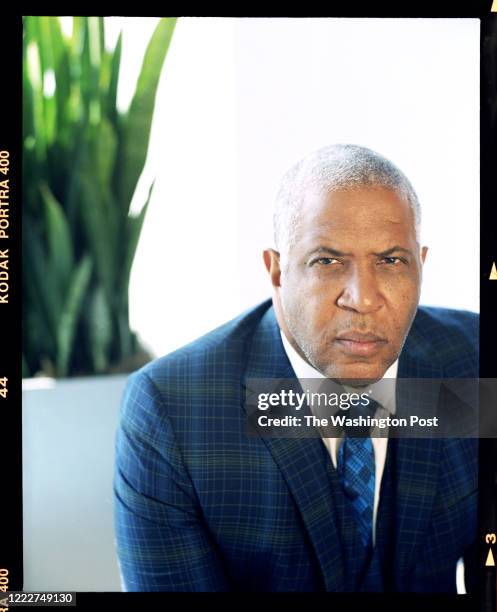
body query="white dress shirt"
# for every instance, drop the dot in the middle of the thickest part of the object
(383, 394)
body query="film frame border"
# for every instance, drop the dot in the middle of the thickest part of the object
(11, 352)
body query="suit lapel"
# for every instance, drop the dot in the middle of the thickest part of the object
(301, 459)
(417, 459)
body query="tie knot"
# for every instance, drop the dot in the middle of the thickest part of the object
(358, 422)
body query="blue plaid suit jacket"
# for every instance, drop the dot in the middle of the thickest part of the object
(201, 506)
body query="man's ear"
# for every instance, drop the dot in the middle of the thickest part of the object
(272, 263)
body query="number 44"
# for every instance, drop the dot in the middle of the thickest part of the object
(3, 387)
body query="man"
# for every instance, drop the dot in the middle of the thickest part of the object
(200, 505)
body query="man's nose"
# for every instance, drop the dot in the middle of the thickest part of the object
(361, 292)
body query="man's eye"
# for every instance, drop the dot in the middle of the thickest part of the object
(326, 261)
(392, 260)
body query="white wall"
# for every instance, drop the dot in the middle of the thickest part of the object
(242, 99)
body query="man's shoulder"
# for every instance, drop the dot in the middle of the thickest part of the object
(224, 346)
(446, 337)
(460, 325)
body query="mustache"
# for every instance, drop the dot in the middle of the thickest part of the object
(360, 329)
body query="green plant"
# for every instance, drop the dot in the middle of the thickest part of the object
(82, 159)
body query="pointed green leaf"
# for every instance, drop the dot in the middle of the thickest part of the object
(95, 226)
(44, 42)
(99, 326)
(139, 119)
(58, 44)
(38, 278)
(61, 66)
(25, 368)
(59, 239)
(35, 76)
(70, 314)
(114, 75)
(83, 62)
(47, 62)
(125, 334)
(95, 56)
(101, 34)
(134, 227)
(106, 147)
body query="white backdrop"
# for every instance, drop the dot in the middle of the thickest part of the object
(242, 99)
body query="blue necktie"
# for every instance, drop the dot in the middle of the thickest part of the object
(356, 472)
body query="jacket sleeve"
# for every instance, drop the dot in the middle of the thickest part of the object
(161, 539)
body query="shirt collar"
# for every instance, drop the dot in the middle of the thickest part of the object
(382, 391)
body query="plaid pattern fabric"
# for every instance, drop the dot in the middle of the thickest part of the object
(355, 466)
(356, 472)
(201, 506)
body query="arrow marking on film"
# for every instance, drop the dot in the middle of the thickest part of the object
(490, 558)
(493, 271)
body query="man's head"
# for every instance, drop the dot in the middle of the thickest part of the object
(348, 266)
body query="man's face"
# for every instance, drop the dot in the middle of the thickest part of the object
(348, 292)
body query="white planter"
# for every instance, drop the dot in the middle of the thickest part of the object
(68, 461)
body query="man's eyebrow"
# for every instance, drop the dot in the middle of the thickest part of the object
(394, 249)
(329, 251)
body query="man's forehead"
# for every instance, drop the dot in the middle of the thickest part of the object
(352, 207)
(343, 198)
(354, 221)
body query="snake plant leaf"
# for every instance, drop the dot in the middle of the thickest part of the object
(36, 79)
(77, 41)
(94, 58)
(106, 149)
(27, 30)
(38, 279)
(76, 166)
(82, 64)
(62, 74)
(104, 81)
(101, 34)
(58, 45)
(125, 335)
(47, 66)
(99, 329)
(133, 230)
(111, 102)
(25, 368)
(70, 314)
(139, 118)
(95, 227)
(74, 49)
(60, 250)
(45, 43)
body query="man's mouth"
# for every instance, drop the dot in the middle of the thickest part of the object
(360, 343)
